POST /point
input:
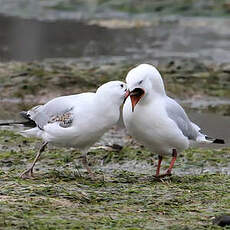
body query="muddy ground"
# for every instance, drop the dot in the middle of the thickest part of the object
(125, 194)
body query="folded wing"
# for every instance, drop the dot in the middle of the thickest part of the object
(178, 115)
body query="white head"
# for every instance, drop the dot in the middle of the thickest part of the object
(143, 82)
(113, 91)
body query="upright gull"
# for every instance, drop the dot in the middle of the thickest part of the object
(75, 120)
(157, 120)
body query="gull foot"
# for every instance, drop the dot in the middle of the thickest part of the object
(27, 174)
(159, 177)
(92, 175)
(95, 177)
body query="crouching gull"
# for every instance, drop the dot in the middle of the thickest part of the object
(76, 120)
(156, 120)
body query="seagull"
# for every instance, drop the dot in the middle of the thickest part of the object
(75, 120)
(156, 120)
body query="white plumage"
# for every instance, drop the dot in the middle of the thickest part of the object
(155, 119)
(77, 120)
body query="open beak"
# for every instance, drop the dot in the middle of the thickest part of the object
(135, 96)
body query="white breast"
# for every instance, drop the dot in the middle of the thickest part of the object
(150, 125)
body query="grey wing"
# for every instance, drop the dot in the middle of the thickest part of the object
(57, 110)
(178, 115)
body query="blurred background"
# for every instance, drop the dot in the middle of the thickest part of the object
(58, 47)
(139, 29)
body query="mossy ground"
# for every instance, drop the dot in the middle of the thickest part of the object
(34, 80)
(95, 9)
(24, 85)
(162, 8)
(62, 196)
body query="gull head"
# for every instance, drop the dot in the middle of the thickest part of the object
(113, 91)
(144, 82)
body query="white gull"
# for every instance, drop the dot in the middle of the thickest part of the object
(156, 120)
(76, 120)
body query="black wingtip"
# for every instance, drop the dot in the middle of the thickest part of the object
(29, 122)
(6, 124)
(24, 115)
(25, 123)
(219, 141)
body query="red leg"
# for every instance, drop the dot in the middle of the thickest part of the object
(85, 163)
(174, 155)
(29, 172)
(158, 165)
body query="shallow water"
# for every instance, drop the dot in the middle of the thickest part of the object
(163, 39)
(213, 125)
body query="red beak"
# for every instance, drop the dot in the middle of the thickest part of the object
(127, 94)
(135, 96)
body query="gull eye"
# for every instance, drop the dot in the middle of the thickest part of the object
(122, 85)
(140, 82)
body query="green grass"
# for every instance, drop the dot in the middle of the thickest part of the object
(162, 7)
(62, 196)
(31, 79)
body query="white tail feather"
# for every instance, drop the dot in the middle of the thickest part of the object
(34, 132)
(201, 139)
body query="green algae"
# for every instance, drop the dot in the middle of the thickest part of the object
(162, 8)
(94, 9)
(62, 196)
(36, 79)
(34, 83)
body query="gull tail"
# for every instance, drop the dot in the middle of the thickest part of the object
(215, 141)
(27, 122)
(208, 140)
